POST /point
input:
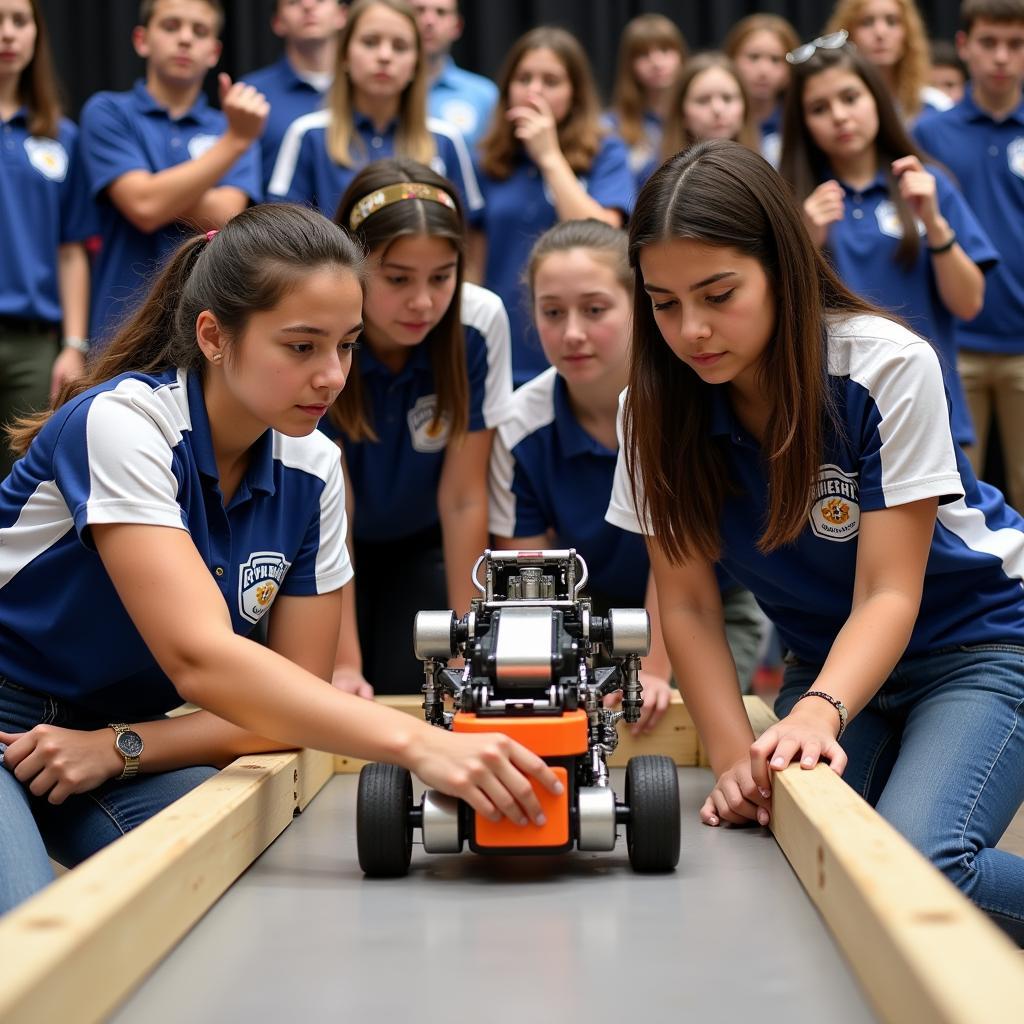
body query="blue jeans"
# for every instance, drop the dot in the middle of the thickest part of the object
(939, 752)
(32, 830)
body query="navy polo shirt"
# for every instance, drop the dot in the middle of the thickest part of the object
(290, 97)
(771, 136)
(645, 156)
(305, 172)
(987, 159)
(863, 248)
(394, 479)
(464, 100)
(548, 473)
(130, 131)
(893, 448)
(137, 449)
(44, 203)
(516, 211)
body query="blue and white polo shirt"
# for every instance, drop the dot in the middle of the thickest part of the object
(548, 473)
(464, 99)
(137, 449)
(863, 249)
(893, 447)
(44, 203)
(306, 173)
(130, 131)
(395, 479)
(987, 158)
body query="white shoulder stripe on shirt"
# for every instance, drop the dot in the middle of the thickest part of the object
(969, 525)
(485, 312)
(43, 520)
(288, 153)
(474, 197)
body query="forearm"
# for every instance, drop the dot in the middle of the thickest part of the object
(349, 653)
(657, 661)
(464, 537)
(960, 282)
(198, 738)
(570, 198)
(155, 200)
(868, 647)
(215, 208)
(73, 285)
(292, 706)
(706, 676)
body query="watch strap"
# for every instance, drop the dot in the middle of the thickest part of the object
(131, 764)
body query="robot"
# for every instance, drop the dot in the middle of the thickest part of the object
(537, 665)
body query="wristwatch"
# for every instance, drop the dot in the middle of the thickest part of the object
(129, 745)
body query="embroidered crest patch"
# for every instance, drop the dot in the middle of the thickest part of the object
(259, 580)
(199, 144)
(889, 220)
(48, 157)
(426, 437)
(835, 504)
(1015, 156)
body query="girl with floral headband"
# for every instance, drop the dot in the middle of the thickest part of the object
(431, 382)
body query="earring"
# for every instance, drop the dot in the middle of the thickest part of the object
(217, 357)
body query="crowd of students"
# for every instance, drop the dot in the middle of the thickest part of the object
(845, 326)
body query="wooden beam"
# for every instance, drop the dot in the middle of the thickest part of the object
(674, 736)
(76, 949)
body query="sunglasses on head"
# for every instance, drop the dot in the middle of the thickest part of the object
(833, 41)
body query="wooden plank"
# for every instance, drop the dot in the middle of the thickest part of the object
(76, 949)
(674, 736)
(921, 950)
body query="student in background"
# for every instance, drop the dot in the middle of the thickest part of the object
(160, 160)
(981, 141)
(554, 457)
(430, 383)
(46, 214)
(711, 102)
(546, 158)
(187, 463)
(460, 97)
(891, 35)
(376, 108)
(949, 72)
(758, 45)
(778, 423)
(652, 51)
(896, 229)
(297, 83)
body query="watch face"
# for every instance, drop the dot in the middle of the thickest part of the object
(130, 743)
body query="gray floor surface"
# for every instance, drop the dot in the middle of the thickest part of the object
(302, 936)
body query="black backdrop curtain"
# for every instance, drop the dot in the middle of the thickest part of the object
(91, 38)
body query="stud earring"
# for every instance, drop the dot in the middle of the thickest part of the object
(217, 357)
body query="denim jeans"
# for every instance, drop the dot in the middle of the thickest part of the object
(939, 752)
(32, 830)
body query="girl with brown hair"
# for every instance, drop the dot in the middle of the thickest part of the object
(778, 423)
(432, 380)
(546, 158)
(651, 54)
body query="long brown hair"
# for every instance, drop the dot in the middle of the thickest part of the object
(677, 136)
(804, 165)
(412, 137)
(37, 85)
(245, 268)
(911, 71)
(579, 134)
(721, 193)
(642, 34)
(446, 340)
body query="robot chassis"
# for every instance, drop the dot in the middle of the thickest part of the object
(529, 644)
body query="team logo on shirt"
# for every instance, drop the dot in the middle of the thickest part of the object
(426, 435)
(48, 157)
(259, 580)
(199, 144)
(461, 114)
(889, 222)
(1015, 156)
(835, 504)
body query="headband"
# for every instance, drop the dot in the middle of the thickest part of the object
(382, 197)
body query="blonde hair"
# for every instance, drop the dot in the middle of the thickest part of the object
(911, 70)
(412, 138)
(677, 135)
(641, 35)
